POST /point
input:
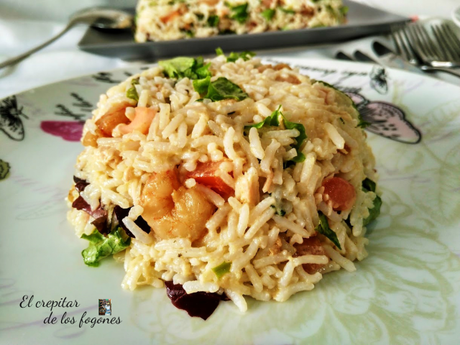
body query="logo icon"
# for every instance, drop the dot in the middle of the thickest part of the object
(105, 307)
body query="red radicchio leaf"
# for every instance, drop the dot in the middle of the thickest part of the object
(80, 184)
(81, 204)
(101, 225)
(99, 215)
(121, 213)
(200, 304)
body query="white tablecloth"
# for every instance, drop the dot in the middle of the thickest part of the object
(62, 59)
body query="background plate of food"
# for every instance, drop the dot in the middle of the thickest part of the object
(173, 28)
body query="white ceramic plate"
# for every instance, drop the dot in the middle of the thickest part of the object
(406, 292)
(456, 16)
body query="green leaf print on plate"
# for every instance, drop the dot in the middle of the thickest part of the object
(439, 121)
(432, 193)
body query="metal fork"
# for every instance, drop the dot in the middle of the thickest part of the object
(430, 53)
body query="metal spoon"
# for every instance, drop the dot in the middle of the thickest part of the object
(98, 17)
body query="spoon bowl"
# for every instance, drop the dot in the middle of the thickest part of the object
(102, 18)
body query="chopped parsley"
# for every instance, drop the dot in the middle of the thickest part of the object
(186, 67)
(344, 10)
(239, 12)
(278, 210)
(222, 269)
(132, 92)
(101, 247)
(222, 88)
(318, 26)
(268, 14)
(188, 32)
(213, 21)
(273, 120)
(324, 229)
(279, 205)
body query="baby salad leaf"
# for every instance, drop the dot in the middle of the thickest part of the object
(185, 67)
(246, 55)
(222, 88)
(363, 124)
(201, 85)
(101, 247)
(369, 185)
(299, 139)
(324, 229)
(175, 68)
(202, 71)
(273, 120)
(374, 212)
(222, 269)
(194, 69)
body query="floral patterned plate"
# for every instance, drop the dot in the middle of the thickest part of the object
(406, 292)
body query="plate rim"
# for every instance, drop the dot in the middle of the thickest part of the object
(261, 57)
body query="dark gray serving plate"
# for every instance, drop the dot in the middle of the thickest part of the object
(362, 21)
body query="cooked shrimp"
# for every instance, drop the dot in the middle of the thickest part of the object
(289, 79)
(112, 118)
(141, 122)
(172, 210)
(170, 16)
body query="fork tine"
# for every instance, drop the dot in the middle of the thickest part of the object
(394, 35)
(452, 39)
(422, 46)
(402, 45)
(445, 50)
(417, 42)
